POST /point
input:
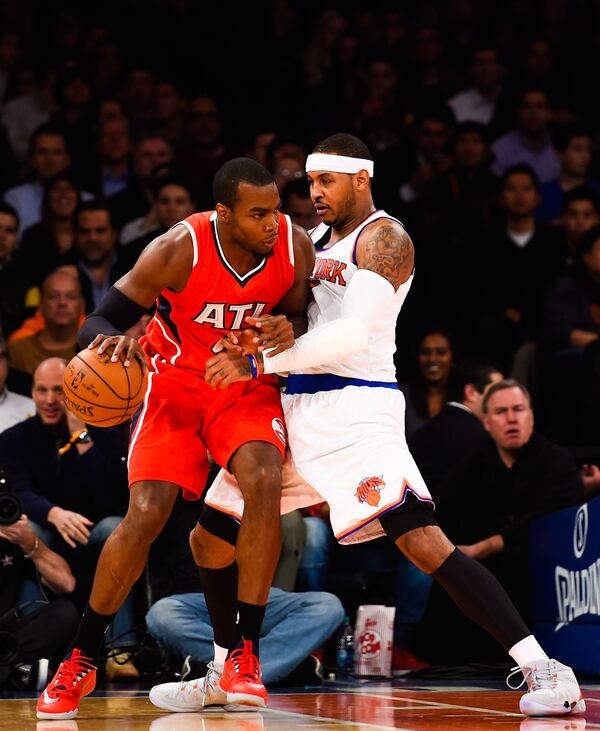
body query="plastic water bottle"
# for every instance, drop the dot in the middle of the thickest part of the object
(345, 647)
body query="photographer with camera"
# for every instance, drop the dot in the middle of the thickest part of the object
(71, 480)
(33, 633)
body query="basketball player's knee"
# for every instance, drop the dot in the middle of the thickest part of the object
(208, 547)
(426, 547)
(262, 485)
(200, 542)
(411, 543)
(145, 520)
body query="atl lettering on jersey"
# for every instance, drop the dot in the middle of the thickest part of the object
(188, 324)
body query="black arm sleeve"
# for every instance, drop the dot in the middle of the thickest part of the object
(115, 314)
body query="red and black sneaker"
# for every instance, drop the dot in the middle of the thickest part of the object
(242, 678)
(75, 678)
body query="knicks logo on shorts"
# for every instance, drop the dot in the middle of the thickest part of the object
(369, 489)
(279, 430)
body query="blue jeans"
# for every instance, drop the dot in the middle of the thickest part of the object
(295, 624)
(315, 556)
(120, 632)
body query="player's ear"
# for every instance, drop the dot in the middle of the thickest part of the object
(361, 180)
(223, 212)
(470, 392)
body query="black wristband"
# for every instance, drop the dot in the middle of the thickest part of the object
(115, 314)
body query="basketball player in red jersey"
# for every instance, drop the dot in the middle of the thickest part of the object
(206, 275)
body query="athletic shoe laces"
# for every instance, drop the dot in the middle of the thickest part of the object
(72, 670)
(188, 686)
(246, 664)
(534, 677)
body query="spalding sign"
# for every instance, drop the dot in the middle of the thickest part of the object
(565, 578)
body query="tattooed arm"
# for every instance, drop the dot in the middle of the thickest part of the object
(385, 258)
(385, 248)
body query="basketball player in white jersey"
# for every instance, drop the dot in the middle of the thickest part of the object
(345, 419)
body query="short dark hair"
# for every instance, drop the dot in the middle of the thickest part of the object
(436, 328)
(581, 193)
(533, 88)
(65, 175)
(150, 133)
(476, 374)
(170, 178)
(562, 136)
(64, 79)
(503, 385)
(470, 127)
(297, 187)
(521, 168)
(440, 112)
(46, 129)
(239, 170)
(97, 204)
(9, 210)
(344, 144)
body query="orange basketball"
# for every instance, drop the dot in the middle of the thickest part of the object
(101, 392)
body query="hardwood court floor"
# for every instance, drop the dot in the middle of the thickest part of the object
(372, 707)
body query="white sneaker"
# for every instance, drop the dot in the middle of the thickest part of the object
(192, 695)
(553, 689)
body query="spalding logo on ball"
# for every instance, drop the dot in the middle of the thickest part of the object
(102, 392)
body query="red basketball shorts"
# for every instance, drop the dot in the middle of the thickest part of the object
(182, 417)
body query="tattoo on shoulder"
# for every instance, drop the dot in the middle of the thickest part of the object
(388, 251)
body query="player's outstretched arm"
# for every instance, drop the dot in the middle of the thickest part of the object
(166, 262)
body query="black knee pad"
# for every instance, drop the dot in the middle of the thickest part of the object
(220, 524)
(413, 513)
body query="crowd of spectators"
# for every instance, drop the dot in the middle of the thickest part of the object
(486, 145)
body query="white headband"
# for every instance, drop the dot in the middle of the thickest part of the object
(338, 163)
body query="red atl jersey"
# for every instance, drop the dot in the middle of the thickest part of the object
(188, 324)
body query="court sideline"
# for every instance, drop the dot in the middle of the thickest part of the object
(379, 707)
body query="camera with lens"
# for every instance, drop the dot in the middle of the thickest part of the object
(10, 512)
(10, 506)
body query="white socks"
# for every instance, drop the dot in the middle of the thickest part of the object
(527, 651)
(221, 656)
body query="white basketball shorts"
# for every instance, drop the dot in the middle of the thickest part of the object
(346, 447)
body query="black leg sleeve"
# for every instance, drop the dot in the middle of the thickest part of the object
(220, 588)
(480, 596)
(220, 524)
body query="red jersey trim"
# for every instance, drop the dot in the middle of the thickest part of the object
(166, 335)
(241, 280)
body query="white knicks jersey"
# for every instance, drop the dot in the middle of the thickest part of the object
(335, 266)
